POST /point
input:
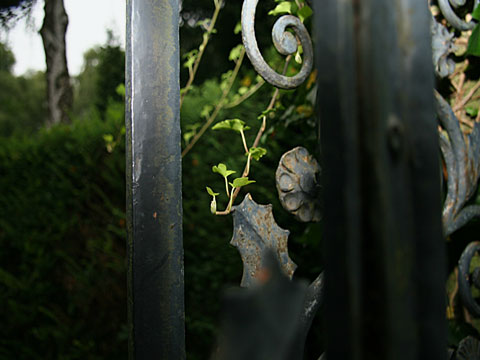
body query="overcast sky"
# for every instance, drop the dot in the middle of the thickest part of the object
(88, 24)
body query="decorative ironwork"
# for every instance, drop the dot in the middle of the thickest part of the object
(461, 156)
(255, 231)
(442, 47)
(468, 349)
(284, 41)
(262, 322)
(449, 14)
(298, 186)
(297, 175)
(466, 279)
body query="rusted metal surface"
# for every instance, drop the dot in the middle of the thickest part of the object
(449, 14)
(466, 279)
(255, 231)
(154, 186)
(284, 41)
(461, 155)
(297, 179)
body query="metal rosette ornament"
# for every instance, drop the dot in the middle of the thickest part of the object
(298, 186)
(468, 349)
(285, 43)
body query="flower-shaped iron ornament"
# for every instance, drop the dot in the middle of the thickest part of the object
(468, 349)
(297, 184)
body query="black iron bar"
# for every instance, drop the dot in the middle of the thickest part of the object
(384, 246)
(154, 201)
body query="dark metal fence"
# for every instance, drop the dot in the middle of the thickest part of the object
(154, 190)
(385, 261)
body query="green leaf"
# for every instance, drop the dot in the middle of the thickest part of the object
(304, 13)
(285, 7)
(298, 57)
(238, 28)
(239, 182)
(205, 113)
(257, 152)
(242, 90)
(188, 135)
(476, 13)
(471, 111)
(108, 138)
(222, 170)
(265, 113)
(231, 124)
(213, 206)
(235, 52)
(473, 47)
(211, 192)
(190, 57)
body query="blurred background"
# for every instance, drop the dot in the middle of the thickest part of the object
(62, 175)
(62, 170)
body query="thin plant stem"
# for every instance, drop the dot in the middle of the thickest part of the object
(245, 96)
(246, 170)
(467, 98)
(226, 186)
(244, 142)
(202, 48)
(219, 106)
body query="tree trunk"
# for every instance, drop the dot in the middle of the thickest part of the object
(60, 93)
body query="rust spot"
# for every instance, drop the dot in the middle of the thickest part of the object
(263, 275)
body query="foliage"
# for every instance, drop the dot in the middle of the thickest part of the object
(103, 71)
(23, 107)
(7, 59)
(473, 47)
(62, 234)
(12, 10)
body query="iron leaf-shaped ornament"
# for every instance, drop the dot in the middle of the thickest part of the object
(255, 231)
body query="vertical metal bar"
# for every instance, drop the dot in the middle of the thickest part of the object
(154, 201)
(335, 59)
(384, 246)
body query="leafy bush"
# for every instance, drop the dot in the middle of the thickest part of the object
(62, 234)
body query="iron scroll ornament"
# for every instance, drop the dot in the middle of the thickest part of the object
(285, 43)
(466, 279)
(452, 17)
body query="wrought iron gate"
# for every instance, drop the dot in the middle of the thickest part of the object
(384, 279)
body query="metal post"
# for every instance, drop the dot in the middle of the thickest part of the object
(384, 245)
(154, 201)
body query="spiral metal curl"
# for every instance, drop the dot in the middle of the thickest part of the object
(285, 43)
(466, 279)
(452, 17)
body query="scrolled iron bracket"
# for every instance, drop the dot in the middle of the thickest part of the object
(449, 14)
(467, 279)
(285, 43)
(461, 155)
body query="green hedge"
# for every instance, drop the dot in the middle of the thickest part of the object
(62, 240)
